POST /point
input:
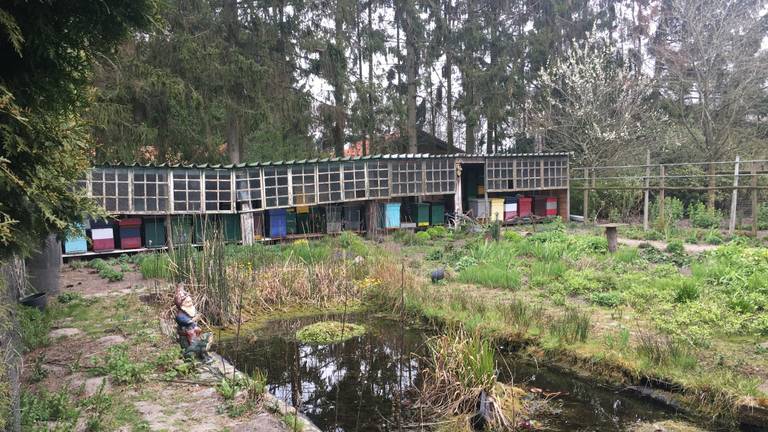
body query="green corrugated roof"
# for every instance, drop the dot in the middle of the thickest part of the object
(332, 159)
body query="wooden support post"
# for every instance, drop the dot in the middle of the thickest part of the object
(457, 206)
(612, 235)
(169, 232)
(755, 210)
(646, 192)
(734, 197)
(586, 195)
(246, 225)
(662, 192)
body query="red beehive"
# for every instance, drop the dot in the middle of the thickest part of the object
(545, 206)
(130, 233)
(524, 206)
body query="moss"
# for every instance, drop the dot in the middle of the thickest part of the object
(326, 332)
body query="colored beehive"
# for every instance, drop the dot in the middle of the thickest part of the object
(228, 223)
(291, 225)
(392, 215)
(154, 232)
(477, 207)
(420, 214)
(130, 233)
(102, 235)
(524, 206)
(76, 242)
(497, 209)
(545, 206)
(510, 208)
(333, 222)
(278, 219)
(437, 214)
(352, 218)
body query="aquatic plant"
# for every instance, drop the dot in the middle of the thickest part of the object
(328, 332)
(461, 380)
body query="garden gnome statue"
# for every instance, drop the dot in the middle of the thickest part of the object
(191, 337)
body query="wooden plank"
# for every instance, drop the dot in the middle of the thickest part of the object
(734, 198)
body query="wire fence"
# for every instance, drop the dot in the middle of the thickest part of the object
(737, 190)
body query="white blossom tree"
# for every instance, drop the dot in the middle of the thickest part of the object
(594, 105)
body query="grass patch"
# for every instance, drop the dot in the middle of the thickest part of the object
(155, 266)
(665, 351)
(491, 276)
(572, 326)
(34, 327)
(328, 332)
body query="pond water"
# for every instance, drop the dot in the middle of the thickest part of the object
(356, 385)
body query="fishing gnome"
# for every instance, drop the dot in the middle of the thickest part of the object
(193, 341)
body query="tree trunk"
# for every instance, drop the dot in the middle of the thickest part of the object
(338, 83)
(369, 144)
(233, 136)
(231, 21)
(449, 97)
(411, 71)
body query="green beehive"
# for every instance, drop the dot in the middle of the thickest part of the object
(181, 230)
(291, 222)
(154, 232)
(420, 214)
(229, 223)
(437, 216)
(232, 232)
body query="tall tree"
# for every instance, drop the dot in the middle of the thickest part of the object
(47, 51)
(594, 105)
(714, 71)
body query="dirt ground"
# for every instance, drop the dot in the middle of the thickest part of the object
(117, 313)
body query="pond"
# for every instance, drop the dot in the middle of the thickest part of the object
(356, 385)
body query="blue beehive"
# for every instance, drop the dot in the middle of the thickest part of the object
(278, 226)
(76, 243)
(392, 215)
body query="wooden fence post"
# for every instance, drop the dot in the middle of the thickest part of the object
(734, 197)
(662, 192)
(754, 198)
(647, 185)
(586, 195)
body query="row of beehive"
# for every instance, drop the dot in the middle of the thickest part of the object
(512, 208)
(423, 214)
(146, 232)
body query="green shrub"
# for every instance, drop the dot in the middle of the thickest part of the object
(491, 275)
(685, 290)
(608, 299)
(652, 235)
(512, 236)
(762, 216)
(111, 274)
(121, 368)
(437, 231)
(703, 217)
(34, 327)
(423, 237)
(675, 247)
(713, 237)
(673, 213)
(48, 407)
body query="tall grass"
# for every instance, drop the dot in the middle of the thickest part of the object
(155, 266)
(543, 272)
(520, 314)
(491, 276)
(665, 351)
(461, 374)
(573, 326)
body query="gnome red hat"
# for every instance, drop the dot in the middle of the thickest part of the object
(183, 301)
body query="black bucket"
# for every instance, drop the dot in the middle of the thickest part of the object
(38, 300)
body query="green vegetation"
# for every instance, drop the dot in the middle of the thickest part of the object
(106, 269)
(121, 368)
(34, 327)
(328, 332)
(491, 276)
(703, 217)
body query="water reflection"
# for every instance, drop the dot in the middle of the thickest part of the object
(349, 386)
(356, 385)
